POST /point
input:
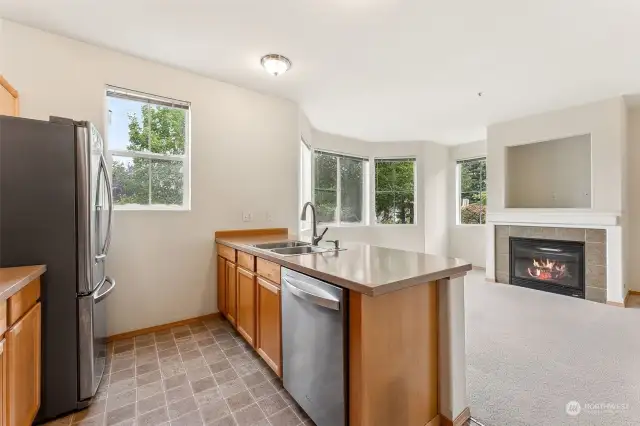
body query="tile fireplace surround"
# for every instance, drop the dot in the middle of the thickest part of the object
(595, 253)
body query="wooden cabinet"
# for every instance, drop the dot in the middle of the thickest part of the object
(246, 325)
(232, 303)
(3, 380)
(222, 285)
(251, 301)
(8, 99)
(23, 369)
(269, 332)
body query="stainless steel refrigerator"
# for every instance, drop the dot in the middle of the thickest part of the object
(56, 209)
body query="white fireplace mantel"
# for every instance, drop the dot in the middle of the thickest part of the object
(570, 218)
(616, 285)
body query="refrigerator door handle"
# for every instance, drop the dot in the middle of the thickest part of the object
(101, 295)
(107, 179)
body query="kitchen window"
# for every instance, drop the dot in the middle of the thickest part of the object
(339, 188)
(148, 139)
(395, 192)
(472, 191)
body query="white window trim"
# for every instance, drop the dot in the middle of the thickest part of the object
(459, 194)
(365, 192)
(416, 212)
(186, 158)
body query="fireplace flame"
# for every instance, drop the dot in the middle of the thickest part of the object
(547, 269)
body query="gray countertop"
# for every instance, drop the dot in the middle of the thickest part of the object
(12, 280)
(364, 268)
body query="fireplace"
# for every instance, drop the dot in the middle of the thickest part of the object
(548, 265)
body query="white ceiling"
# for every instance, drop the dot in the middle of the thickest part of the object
(379, 70)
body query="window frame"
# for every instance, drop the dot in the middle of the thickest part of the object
(459, 162)
(306, 173)
(374, 190)
(185, 158)
(365, 188)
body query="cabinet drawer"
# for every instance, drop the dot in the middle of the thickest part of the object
(268, 270)
(227, 252)
(247, 261)
(22, 301)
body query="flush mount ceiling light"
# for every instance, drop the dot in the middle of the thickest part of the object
(275, 64)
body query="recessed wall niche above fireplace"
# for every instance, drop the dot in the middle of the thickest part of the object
(549, 265)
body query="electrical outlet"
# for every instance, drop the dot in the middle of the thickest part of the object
(269, 217)
(246, 216)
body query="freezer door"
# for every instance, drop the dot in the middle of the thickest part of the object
(92, 338)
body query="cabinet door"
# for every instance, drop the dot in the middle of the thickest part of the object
(246, 282)
(8, 98)
(269, 337)
(23, 369)
(3, 383)
(222, 285)
(232, 304)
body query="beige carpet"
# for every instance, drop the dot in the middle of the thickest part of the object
(529, 353)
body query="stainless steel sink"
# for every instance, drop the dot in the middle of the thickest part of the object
(282, 244)
(294, 251)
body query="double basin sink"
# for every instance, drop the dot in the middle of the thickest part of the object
(292, 248)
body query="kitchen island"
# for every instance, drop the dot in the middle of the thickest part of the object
(406, 335)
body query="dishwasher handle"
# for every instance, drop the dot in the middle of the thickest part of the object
(325, 300)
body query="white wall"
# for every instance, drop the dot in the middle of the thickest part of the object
(465, 241)
(603, 120)
(550, 174)
(245, 149)
(429, 232)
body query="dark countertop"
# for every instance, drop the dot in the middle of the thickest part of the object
(12, 280)
(364, 268)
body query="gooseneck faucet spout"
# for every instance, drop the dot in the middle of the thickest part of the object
(315, 239)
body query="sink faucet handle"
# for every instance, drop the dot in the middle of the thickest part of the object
(335, 243)
(324, 232)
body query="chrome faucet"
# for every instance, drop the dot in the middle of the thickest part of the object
(315, 239)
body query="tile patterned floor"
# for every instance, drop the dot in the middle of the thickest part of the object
(201, 374)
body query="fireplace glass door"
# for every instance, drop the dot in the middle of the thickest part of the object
(550, 265)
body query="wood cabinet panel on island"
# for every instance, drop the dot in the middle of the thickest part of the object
(246, 321)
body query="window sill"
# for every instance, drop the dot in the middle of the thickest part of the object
(341, 225)
(470, 225)
(159, 208)
(395, 225)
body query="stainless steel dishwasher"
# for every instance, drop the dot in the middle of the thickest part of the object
(314, 347)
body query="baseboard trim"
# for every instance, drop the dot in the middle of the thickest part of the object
(459, 421)
(162, 327)
(435, 421)
(623, 304)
